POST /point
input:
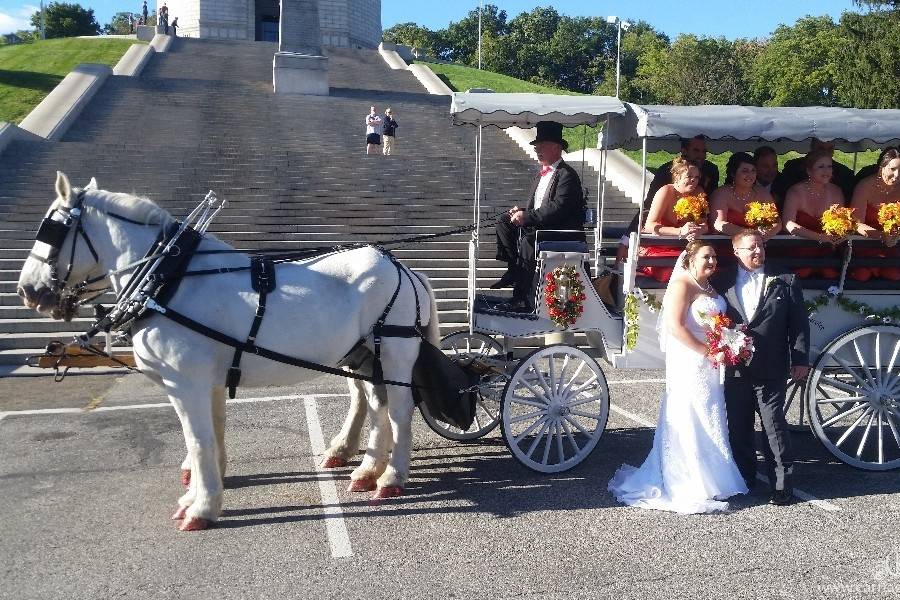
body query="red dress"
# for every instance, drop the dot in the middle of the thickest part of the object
(867, 273)
(659, 273)
(813, 224)
(737, 218)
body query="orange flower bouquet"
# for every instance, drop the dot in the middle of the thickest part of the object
(693, 209)
(889, 218)
(838, 221)
(761, 214)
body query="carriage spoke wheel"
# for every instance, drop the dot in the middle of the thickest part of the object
(463, 345)
(853, 396)
(554, 408)
(795, 406)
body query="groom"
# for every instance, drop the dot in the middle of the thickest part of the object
(769, 301)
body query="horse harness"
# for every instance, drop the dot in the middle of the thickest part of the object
(164, 267)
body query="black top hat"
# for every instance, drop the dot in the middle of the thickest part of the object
(550, 131)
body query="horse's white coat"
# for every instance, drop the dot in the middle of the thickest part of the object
(319, 309)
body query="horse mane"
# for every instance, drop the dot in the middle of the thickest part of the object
(136, 208)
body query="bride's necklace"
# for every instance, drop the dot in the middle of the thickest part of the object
(706, 288)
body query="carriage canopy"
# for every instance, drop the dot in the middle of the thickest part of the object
(525, 110)
(747, 127)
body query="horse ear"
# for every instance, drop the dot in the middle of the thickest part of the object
(92, 185)
(63, 188)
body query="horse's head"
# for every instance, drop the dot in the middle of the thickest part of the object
(62, 254)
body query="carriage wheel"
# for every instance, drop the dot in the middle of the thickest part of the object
(554, 408)
(795, 406)
(464, 345)
(853, 397)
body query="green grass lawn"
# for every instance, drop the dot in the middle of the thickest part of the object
(28, 72)
(461, 78)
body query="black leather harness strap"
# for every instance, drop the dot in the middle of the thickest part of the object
(249, 347)
(262, 277)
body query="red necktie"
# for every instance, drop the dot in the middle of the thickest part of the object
(545, 170)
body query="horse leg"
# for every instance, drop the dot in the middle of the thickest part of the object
(218, 415)
(201, 505)
(398, 356)
(218, 407)
(365, 476)
(346, 443)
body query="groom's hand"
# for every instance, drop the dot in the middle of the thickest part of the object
(799, 373)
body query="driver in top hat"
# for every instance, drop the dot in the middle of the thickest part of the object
(556, 201)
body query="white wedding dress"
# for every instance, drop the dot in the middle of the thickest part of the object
(690, 468)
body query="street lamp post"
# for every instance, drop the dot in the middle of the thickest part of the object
(480, 9)
(620, 25)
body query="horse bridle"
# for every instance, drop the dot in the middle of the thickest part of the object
(53, 233)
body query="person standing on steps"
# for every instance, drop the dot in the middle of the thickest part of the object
(164, 18)
(373, 131)
(389, 131)
(145, 13)
(174, 27)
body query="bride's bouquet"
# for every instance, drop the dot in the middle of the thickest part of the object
(728, 345)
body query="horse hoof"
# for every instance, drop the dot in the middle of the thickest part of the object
(388, 491)
(186, 477)
(179, 514)
(334, 462)
(194, 524)
(362, 485)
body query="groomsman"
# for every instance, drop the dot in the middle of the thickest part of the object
(769, 301)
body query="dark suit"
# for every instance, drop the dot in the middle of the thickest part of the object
(780, 332)
(795, 171)
(561, 208)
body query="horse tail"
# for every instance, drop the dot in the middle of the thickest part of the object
(433, 329)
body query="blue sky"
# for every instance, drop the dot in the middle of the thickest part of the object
(731, 18)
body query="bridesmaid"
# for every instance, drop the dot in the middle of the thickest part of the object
(661, 219)
(728, 204)
(881, 187)
(803, 207)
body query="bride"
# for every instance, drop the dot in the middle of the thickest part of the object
(690, 468)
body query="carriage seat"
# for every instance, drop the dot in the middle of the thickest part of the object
(563, 246)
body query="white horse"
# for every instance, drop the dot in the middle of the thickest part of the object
(320, 308)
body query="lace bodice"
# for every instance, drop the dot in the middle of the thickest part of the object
(702, 305)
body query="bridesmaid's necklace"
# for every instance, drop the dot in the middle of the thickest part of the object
(707, 288)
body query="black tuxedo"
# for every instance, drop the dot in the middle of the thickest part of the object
(561, 208)
(780, 332)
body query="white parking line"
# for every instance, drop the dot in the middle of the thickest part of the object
(823, 504)
(331, 505)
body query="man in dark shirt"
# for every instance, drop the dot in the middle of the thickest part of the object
(767, 175)
(795, 172)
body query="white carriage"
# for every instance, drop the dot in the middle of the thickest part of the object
(553, 404)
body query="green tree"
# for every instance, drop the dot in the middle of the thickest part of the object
(66, 20)
(796, 67)
(410, 34)
(459, 42)
(120, 24)
(694, 70)
(637, 42)
(867, 71)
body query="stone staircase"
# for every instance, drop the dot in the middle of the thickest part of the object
(293, 168)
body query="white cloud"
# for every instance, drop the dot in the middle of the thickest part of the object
(17, 18)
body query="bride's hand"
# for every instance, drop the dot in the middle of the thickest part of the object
(716, 359)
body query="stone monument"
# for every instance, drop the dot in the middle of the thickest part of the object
(299, 67)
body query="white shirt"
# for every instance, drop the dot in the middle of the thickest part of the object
(373, 124)
(749, 284)
(543, 184)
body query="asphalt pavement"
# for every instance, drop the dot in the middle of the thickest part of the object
(89, 476)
